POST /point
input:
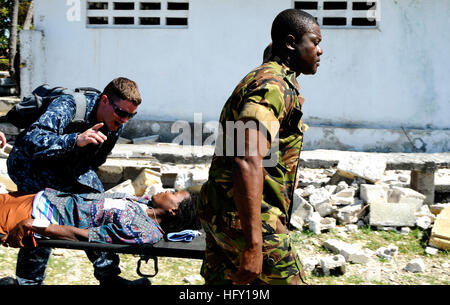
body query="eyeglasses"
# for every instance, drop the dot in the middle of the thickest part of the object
(120, 112)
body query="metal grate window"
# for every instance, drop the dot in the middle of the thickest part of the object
(137, 14)
(342, 14)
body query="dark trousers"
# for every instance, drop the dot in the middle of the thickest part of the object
(32, 265)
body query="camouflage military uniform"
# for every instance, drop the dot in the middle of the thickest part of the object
(268, 94)
(46, 155)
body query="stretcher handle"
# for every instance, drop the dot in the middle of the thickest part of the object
(145, 258)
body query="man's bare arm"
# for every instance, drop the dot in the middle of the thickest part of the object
(248, 180)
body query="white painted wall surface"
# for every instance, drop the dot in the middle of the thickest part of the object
(393, 76)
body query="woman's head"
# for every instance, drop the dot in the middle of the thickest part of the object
(176, 210)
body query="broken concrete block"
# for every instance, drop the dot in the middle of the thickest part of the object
(124, 187)
(405, 230)
(307, 191)
(199, 176)
(431, 250)
(154, 189)
(351, 253)
(374, 193)
(110, 173)
(182, 181)
(191, 177)
(8, 183)
(330, 188)
(370, 168)
(332, 265)
(320, 200)
(317, 224)
(301, 210)
(425, 211)
(309, 263)
(423, 222)
(392, 214)
(314, 223)
(440, 234)
(349, 213)
(415, 265)
(146, 178)
(342, 185)
(324, 208)
(405, 195)
(351, 227)
(388, 252)
(343, 197)
(318, 196)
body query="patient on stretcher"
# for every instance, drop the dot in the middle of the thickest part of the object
(110, 218)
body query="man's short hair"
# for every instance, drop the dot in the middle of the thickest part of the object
(124, 89)
(291, 21)
(186, 216)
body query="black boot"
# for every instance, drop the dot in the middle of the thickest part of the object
(8, 281)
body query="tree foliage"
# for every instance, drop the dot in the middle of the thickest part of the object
(5, 20)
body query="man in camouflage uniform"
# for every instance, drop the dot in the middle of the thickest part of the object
(52, 153)
(245, 204)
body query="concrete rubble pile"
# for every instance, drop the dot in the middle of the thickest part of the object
(361, 193)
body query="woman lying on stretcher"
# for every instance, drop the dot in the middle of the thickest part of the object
(110, 218)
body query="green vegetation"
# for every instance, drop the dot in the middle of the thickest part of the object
(4, 64)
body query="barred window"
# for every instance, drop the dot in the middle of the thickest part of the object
(137, 14)
(342, 14)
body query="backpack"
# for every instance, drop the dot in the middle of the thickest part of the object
(31, 107)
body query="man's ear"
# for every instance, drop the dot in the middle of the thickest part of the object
(290, 42)
(104, 99)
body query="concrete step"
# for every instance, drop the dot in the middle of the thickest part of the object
(7, 102)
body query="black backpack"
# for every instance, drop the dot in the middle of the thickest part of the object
(31, 107)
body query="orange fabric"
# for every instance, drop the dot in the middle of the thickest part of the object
(14, 207)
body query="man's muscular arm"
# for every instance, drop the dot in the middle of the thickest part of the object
(248, 179)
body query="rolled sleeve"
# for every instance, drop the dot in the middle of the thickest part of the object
(263, 115)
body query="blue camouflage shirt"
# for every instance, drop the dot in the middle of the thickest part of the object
(45, 154)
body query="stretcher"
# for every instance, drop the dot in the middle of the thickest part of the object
(194, 249)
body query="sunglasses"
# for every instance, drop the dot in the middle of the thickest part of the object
(122, 113)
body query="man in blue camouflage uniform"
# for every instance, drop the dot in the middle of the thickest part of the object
(52, 153)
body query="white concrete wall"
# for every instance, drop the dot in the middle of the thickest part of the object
(32, 59)
(179, 71)
(391, 77)
(395, 76)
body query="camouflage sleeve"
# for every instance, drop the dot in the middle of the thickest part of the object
(45, 138)
(265, 105)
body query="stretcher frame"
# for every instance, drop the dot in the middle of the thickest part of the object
(194, 249)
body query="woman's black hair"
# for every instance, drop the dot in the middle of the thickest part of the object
(186, 216)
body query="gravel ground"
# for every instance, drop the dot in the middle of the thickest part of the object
(71, 267)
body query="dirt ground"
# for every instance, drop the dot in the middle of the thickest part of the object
(71, 267)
